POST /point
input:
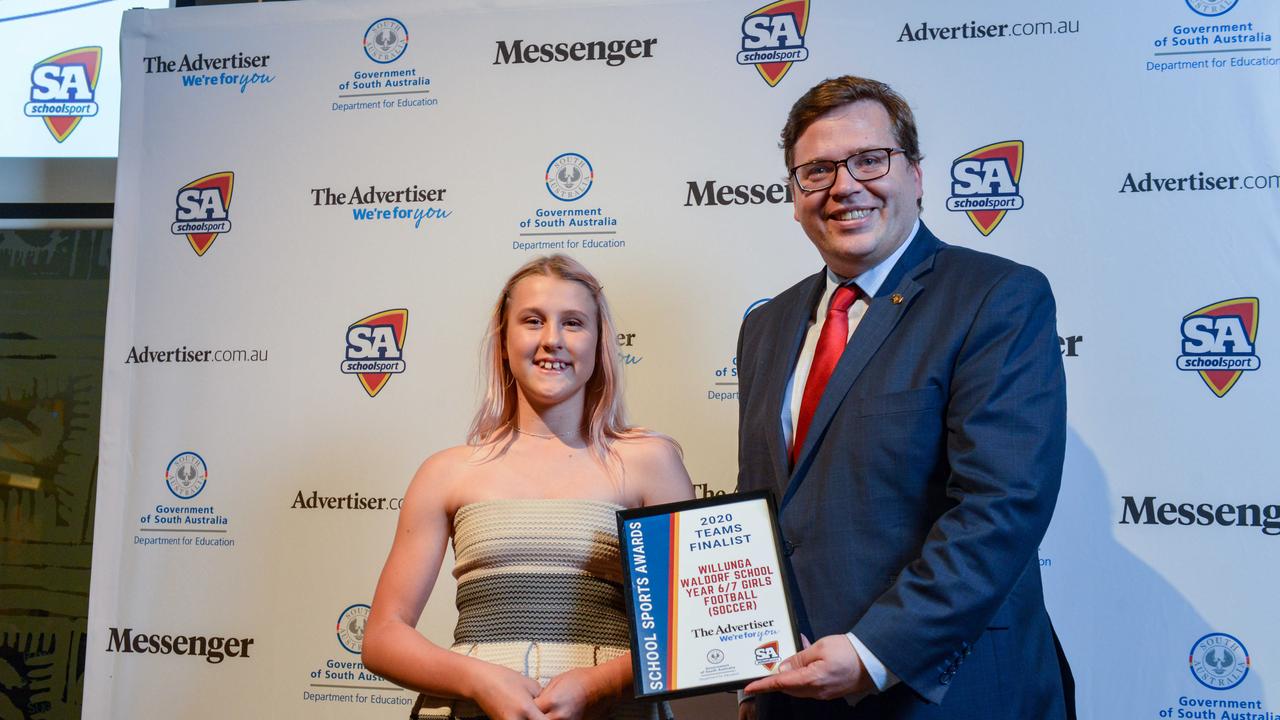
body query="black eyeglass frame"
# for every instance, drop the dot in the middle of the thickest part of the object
(888, 164)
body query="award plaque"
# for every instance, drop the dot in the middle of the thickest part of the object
(707, 601)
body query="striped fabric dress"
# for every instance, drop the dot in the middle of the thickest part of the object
(540, 592)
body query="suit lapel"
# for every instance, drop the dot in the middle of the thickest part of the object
(793, 322)
(880, 319)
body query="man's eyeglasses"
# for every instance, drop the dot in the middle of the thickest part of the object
(863, 166)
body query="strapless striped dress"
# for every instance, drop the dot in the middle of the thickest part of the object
(540, 592)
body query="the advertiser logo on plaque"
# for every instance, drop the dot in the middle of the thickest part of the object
(707, 602)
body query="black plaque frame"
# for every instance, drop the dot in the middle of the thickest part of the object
(632, 628)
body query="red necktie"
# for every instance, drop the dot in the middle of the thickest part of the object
(831, 342)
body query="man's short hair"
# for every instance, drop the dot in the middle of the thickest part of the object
(837, 92)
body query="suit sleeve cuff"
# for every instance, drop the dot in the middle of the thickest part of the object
(882, 676)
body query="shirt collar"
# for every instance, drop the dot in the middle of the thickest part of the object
(870, 281)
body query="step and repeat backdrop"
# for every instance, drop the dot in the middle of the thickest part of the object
(317, 204)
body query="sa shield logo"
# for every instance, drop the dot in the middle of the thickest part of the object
(767, 655)
(773, 38)
(62, 90)
(375, 348)
(984, 184)
(203, 207)
(1218, 342)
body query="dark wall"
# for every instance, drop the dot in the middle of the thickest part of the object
(53, 303)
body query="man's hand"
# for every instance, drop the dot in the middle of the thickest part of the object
(826, 670)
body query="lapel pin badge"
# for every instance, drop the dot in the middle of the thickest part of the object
(896, 298)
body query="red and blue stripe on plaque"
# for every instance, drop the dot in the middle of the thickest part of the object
(653, 564)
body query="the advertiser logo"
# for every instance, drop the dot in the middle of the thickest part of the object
(627, 349)
(711, 193)
(985, 182)
(183, 354)
(412, 204)
(1069, 345)
(974, 30)
(773, 38)
(1197, 181)
(62, 90)
(350, 501)
(569, 176)
(375, 348)
(186, 475)
(767, 655)
(351, 622)
(614, 52)
(1218, 342)
(202, 72)
(214, 649)
(385, 40)
(203, 210)
(1219, 661)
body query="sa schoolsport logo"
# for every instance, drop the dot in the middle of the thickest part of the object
(62, 90)
(375, 348)
(1219, 661)
(203, 207)
(984, 184)
(767, 655)
(773, 38)
(1218, 342)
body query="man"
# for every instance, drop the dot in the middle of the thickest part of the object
(907, 406)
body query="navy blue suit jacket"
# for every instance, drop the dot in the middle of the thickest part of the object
(926, 482)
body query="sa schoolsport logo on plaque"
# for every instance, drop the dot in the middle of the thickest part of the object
(984, 184)
(773, 38)
(62, 90)
(203, 207)
(375, 348)
(1218, 342)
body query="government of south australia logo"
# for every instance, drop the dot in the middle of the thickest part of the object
(1218, 342)
(1211, 8)
(62, 89)
(984, 184)
(375, 348)
(773, 38)
(203, 209)
(351, 627)
(569, 176)
(1219, 661)
(186, 475)
(385, 40)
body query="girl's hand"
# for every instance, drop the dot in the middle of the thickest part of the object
(507, 695)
